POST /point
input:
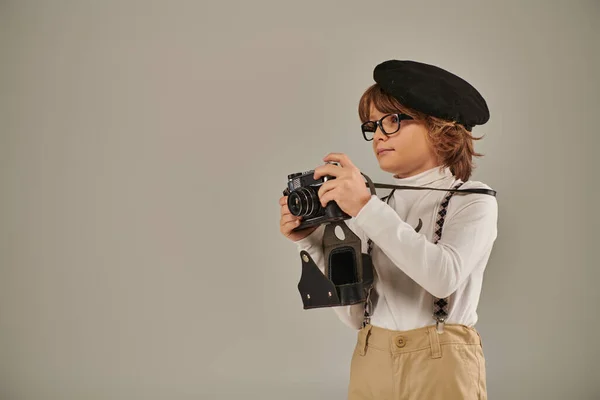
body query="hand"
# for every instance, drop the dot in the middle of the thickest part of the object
(348, 189)
(289, 221)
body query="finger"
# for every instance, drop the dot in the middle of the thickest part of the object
(289, 226)
(284, 206)
(327, 186)
(288, 218)
(328, 169)
(331, 195)
(341, 158)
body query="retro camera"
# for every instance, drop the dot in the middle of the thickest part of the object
(303, 200)
(348, 273)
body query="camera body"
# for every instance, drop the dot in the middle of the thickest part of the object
(303, 200)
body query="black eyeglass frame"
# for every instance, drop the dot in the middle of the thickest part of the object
(379, 123)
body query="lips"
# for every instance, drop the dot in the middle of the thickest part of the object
(381, 151)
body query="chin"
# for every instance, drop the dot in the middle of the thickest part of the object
(387, 166)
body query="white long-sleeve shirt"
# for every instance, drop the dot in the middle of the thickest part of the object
(410, 268)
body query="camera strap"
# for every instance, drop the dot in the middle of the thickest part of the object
(455, 190)
(440, 305)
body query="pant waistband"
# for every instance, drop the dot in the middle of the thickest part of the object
(397, 342)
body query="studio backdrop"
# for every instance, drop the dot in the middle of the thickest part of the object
(144, 147)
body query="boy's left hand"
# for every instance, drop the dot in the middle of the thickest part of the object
(348, 189)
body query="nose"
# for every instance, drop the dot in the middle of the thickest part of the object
(378, 134)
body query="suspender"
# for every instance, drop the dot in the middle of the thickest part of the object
(440, 306)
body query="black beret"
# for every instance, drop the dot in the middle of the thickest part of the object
(432, 91)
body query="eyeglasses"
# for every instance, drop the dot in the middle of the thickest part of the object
(389, 124)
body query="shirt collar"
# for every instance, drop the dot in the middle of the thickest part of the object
(425, 178)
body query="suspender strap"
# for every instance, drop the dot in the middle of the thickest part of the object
(441, 306)
(369, 300)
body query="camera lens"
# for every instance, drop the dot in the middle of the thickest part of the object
(304, 202)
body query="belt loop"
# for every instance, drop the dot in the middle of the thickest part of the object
(362, 339)
(434, 342)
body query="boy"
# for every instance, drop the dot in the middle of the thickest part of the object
(429, 247)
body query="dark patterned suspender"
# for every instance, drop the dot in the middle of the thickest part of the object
(440, 306)
(368, 299)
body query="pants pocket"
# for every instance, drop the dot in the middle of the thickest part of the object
(370, 375)
(452, 376)
(474, 364)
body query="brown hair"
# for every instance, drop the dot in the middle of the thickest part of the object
(451, 142)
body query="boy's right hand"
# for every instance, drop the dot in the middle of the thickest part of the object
(289, 222)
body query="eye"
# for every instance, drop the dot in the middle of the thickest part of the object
(369, 126)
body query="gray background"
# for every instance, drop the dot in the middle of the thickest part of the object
(144, 147)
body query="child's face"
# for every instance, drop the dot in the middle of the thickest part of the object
(409, 150)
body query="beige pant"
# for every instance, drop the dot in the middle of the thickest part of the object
(419, 364)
